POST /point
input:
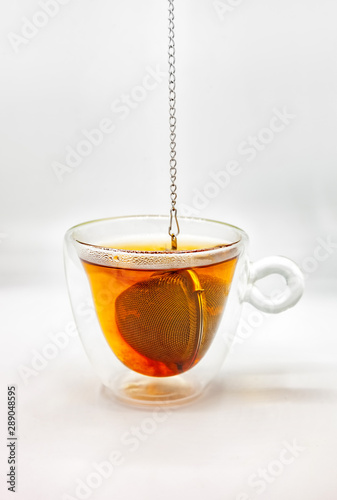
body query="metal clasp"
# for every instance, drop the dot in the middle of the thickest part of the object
(174, 229)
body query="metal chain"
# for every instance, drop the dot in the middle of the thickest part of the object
(174, 226)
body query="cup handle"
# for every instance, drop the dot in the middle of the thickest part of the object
(281, 300)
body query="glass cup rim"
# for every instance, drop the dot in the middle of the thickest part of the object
(230, 246)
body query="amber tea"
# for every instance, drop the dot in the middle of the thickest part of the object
(160, 322)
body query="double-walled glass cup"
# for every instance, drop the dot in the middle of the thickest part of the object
(157, 323)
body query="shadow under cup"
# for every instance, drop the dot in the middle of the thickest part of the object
(156, 323)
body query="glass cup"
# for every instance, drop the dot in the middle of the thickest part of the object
(158, 323)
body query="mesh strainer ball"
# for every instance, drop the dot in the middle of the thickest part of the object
(171, 317)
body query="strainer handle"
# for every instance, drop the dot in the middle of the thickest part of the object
(278, 301)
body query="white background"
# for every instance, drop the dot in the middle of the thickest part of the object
(234, 67)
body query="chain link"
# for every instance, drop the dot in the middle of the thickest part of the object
(174, 226)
